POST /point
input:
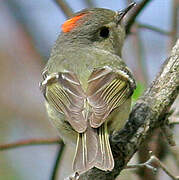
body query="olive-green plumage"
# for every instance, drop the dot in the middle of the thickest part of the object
(87, 86)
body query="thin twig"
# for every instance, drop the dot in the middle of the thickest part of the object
(163, 167)
(174, 28)
(89, 3)
(155, 143)
(153, 28)
(129, 1)
(141, 63)
(168, 133)
(174, 121)
(57, 161)
(133, 15)
(29, 142)
(64, 6)
(166, 129)
(148, 164)
(175, 154)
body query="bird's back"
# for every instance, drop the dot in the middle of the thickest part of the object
(82, 61)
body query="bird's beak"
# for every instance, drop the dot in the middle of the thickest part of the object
(122, 13)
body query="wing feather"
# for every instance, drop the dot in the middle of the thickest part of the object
(66, 95)
(107, 89)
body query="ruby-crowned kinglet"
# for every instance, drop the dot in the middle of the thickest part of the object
(87, 86)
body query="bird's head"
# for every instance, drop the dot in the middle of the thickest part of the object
(97, 27)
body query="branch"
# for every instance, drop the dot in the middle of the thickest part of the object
(163, 167)
(29, 142)
(140, 58)
(133, 15)
(90, 3)
(168, 133)
(175, 24)
(146, 115)
(174, 121)
(148, 164)
(66, 9)
(153, 28)
(175, 154)
(57, 161)
(154, 142)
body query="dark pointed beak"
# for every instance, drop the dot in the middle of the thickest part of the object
(122, 13)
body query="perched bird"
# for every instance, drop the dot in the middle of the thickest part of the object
(87, 86)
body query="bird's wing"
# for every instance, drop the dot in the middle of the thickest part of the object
(64, 93)
(107, 89)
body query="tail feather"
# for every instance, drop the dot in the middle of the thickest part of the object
(104, 159)
(93, 150)
(86, 151)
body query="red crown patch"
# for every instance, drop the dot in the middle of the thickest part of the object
(71, 23)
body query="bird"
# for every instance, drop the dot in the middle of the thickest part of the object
(87, 85)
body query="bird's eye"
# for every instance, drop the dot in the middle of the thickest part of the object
(104, 32)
